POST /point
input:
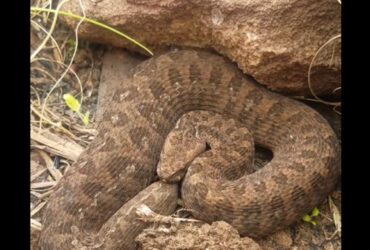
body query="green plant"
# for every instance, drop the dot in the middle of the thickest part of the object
(309, 217)
(94, 22)
(75, 106)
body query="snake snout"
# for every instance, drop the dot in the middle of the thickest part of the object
(171, 175)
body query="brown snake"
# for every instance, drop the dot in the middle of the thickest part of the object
(122, 159)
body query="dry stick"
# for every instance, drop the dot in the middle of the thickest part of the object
(50, 31)
(38, 2)
(34, 176)
(332, 55)
(45, 4)
(37, 95)
(309, 72)
(56, 125)
(99, 25)
(38, 208)
(51, 38)
(36, 225)
(58, 145)
(61, 119)
(34, 193)
(45, 184)
(338, 88)
(146, 214)
(67, 165)
(44, 72)
(50, 7)
(40, 80)
(65, 41)
(326, 217)
(55, 173)
(57, 128)
(62, 64)
(76, 44)
(336, 215)
(336, 111)
(69, 66)
(45, 194)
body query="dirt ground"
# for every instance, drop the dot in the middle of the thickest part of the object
(63, 136)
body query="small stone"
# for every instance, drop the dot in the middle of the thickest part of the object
(217, 17)
(124, 95)
(114, 119)
(328, 246)
(283, 239)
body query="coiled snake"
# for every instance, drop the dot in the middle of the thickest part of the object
(122, 160)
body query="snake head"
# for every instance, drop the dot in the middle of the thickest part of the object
(179, 150)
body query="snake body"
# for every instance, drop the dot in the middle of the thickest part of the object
(122, 159)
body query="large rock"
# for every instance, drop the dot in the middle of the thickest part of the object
(217, 236)
(273, 41)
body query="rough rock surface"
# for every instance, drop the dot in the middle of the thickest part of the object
(273, 41)
(217, 236)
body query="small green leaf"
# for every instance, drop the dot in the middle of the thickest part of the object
(306, 218)
(72, 102)
(315, 212)
(85, 118)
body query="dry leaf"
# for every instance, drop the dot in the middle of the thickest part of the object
(336, 215)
